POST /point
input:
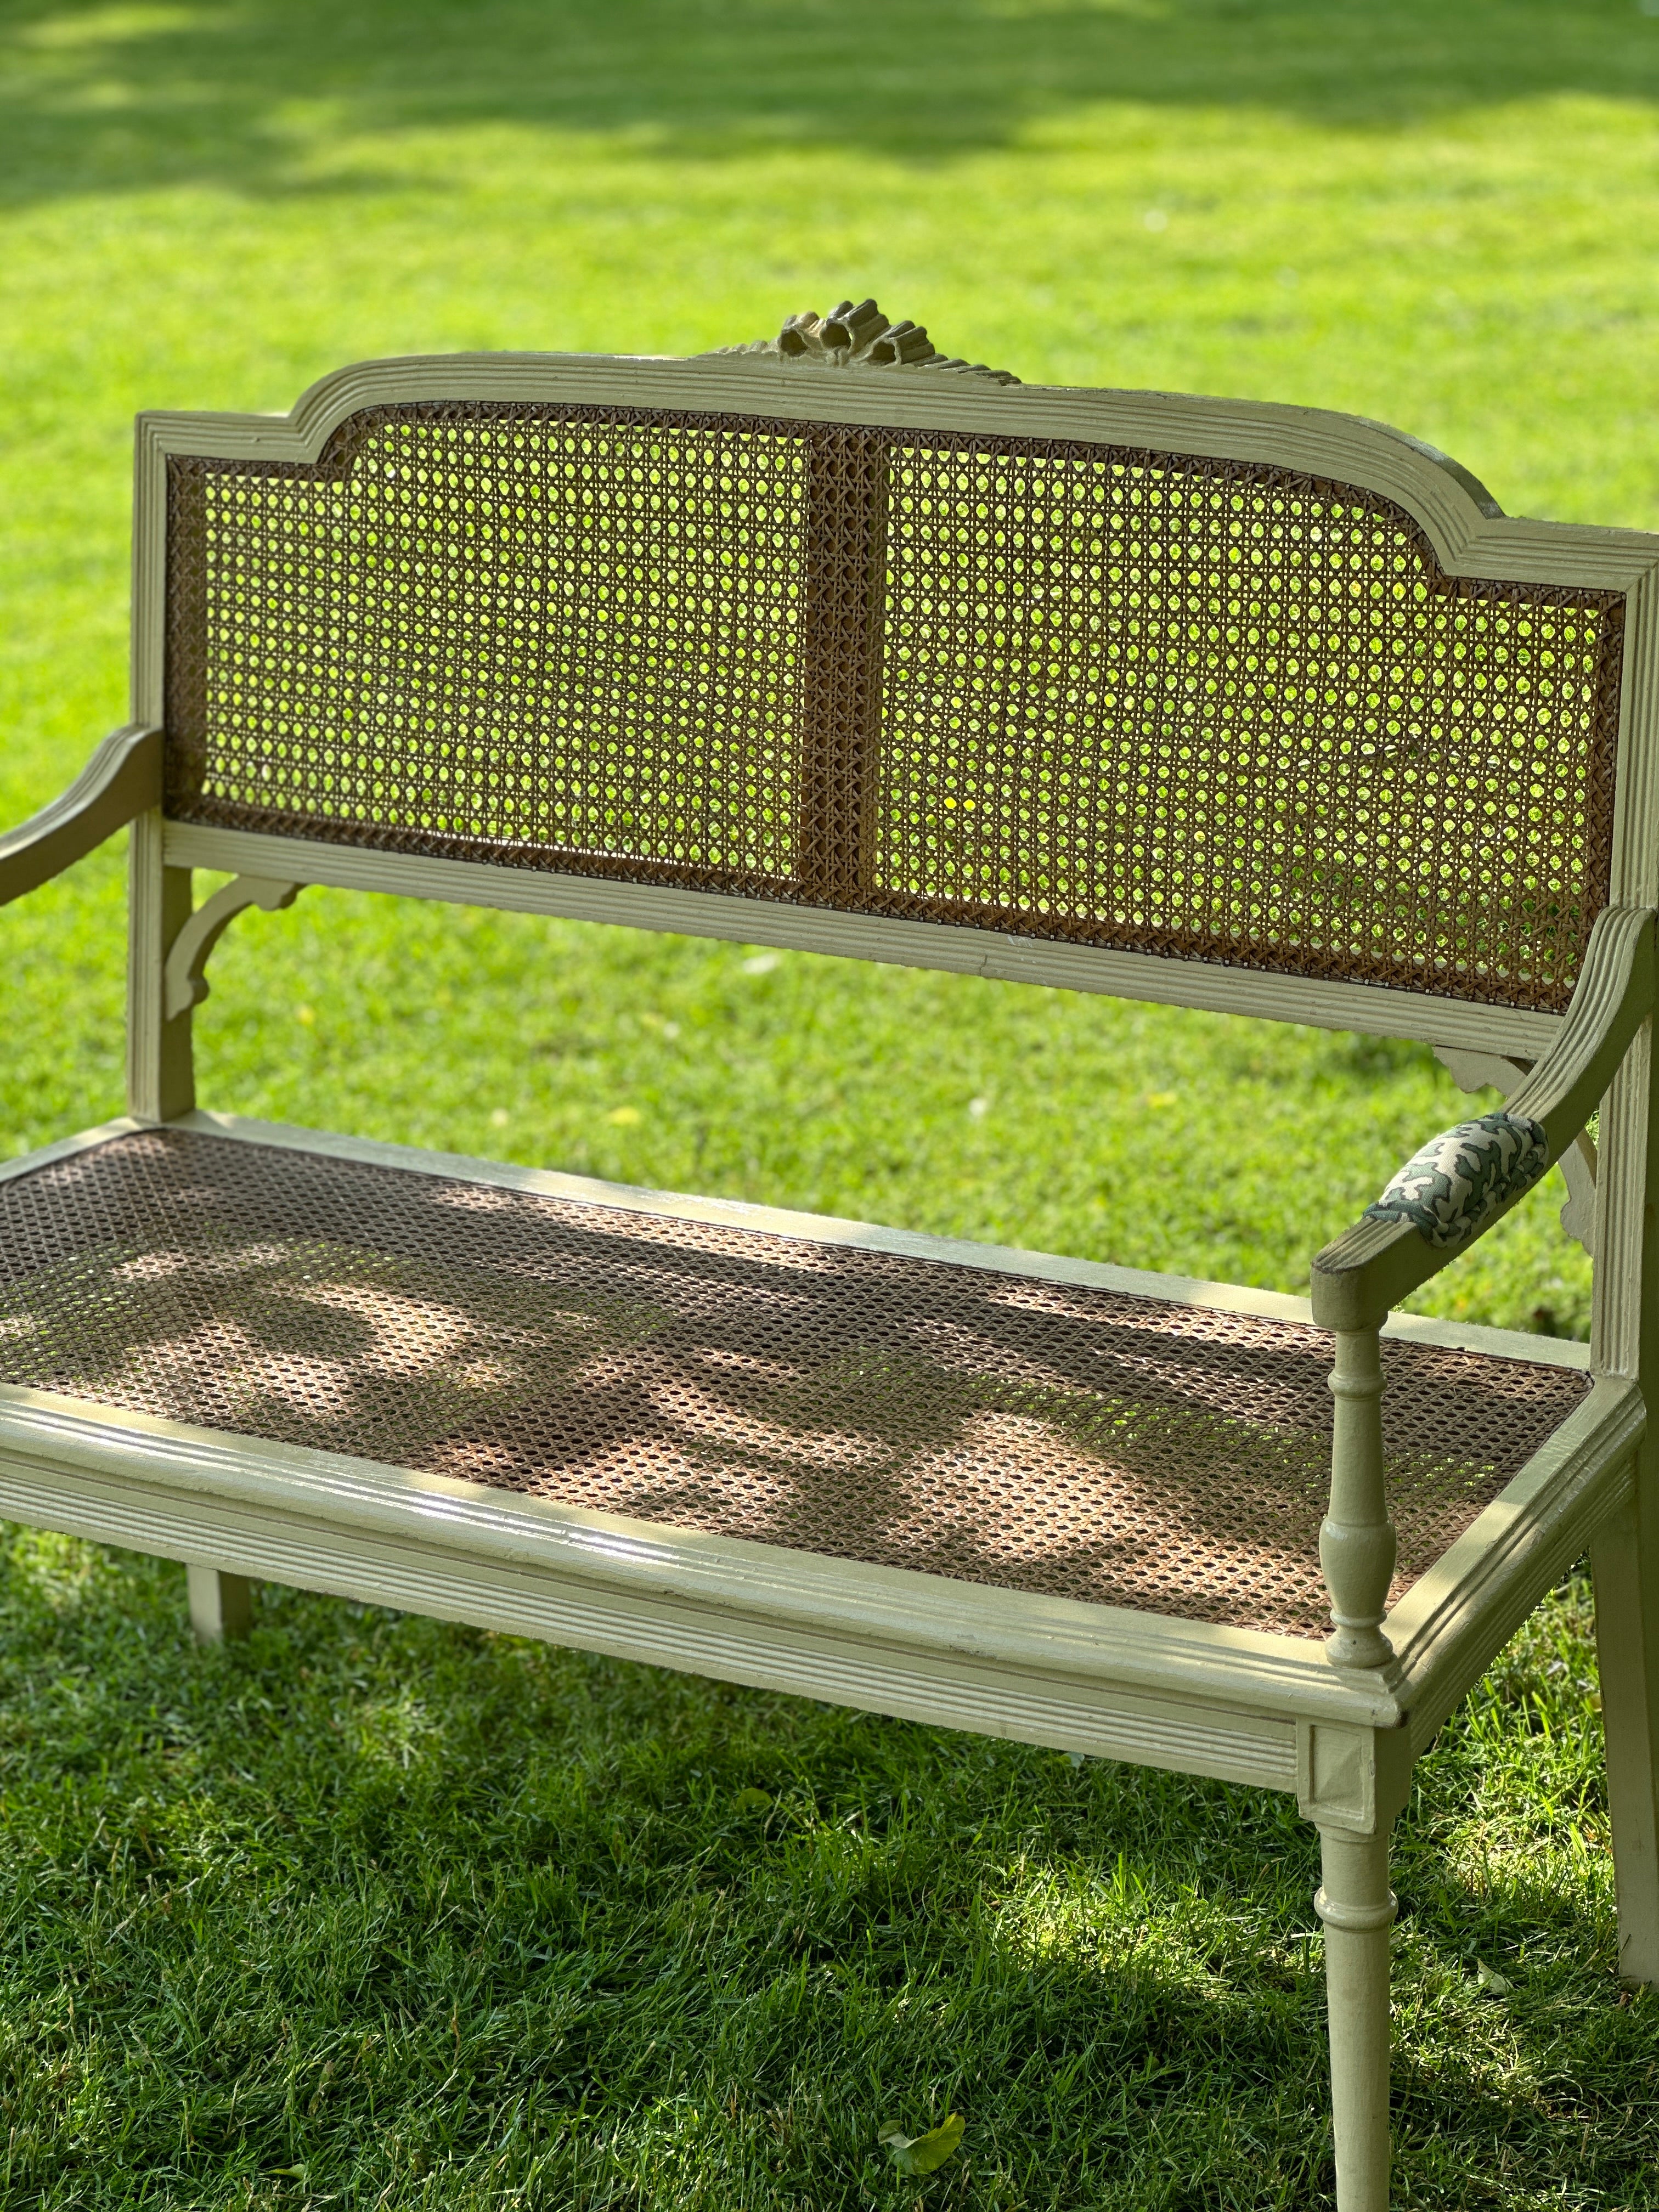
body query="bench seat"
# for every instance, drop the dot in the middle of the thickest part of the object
(1027, 1423)
(840, 644)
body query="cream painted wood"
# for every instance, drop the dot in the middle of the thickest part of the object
(1352, 1784)
(161, 1075)
(1350, 1778)
(1481, 1071)
(605, 1586)
(1470, 535)
(1132, 1282)
(123, 778)
(1208, 984)
(1624, 1338)
(1579, 1165)
(1616, 1312)
(185, 982)
(1636, 812)
(1271, 1711)
(66, 1148)
(1356, 1538)
(1361, 1274)
(1625, 1562)
(131, 1472)
(1506, 1559)
(1627, 1651)
(221, 1604)
(1624, 1559)
(1357, 1908)
(1088, 1678)
(1449, 1626)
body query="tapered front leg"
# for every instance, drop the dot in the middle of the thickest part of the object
(1357, 1906)
(221, 1604)
(1352, 1781)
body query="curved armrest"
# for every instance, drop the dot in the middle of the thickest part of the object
(123, 777)
(1459, 1183)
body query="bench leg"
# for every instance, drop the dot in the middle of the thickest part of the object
(221, 1605)
(1623, 1560)
(1356, 1907)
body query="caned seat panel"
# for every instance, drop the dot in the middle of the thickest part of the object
(991, 1428)
(1197, 708)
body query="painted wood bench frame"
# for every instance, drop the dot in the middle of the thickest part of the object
(1277, 1711)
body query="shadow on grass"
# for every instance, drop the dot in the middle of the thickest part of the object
(392, 1901)
(95, 97)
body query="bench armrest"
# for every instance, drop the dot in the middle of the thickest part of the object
(123, 778)
(1459, 1183)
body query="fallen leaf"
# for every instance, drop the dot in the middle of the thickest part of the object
(922, 2154)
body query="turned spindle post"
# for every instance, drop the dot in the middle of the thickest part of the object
(1357, 1541)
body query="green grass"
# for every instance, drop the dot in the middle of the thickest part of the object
(444, 1920)
(448, 1920)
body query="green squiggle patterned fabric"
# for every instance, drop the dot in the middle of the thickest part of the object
(1459, 1180)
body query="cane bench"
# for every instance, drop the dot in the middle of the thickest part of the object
(834, 643)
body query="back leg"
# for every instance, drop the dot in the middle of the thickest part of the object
(221, 1604)
(1622, 1558)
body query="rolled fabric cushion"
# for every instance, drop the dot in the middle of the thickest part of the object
(1457, 1180)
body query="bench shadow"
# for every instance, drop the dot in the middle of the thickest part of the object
(1141, 1940)
(992, 1429)
(96, 99)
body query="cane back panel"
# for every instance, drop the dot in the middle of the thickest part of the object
(1197, 708)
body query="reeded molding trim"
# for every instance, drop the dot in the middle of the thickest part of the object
(1453, 1622)
(1213, 986)
(1094, 1648)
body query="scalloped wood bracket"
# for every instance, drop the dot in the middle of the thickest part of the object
(859, 336)
(185, 982)
(1479, 1071)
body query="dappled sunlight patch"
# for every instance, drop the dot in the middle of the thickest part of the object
(398, 1731)
(94, 27)
(1561, 1882)
(1107, 1920)
(558, 1950)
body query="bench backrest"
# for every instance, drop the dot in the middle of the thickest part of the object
(1253, 688)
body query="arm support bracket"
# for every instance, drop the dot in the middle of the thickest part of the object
(186, 983)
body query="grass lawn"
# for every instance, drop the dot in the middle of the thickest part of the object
(380, 1913)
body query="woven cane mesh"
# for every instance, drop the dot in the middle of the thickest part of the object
(500, 639)
(995, 1429)
(1196, 709)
